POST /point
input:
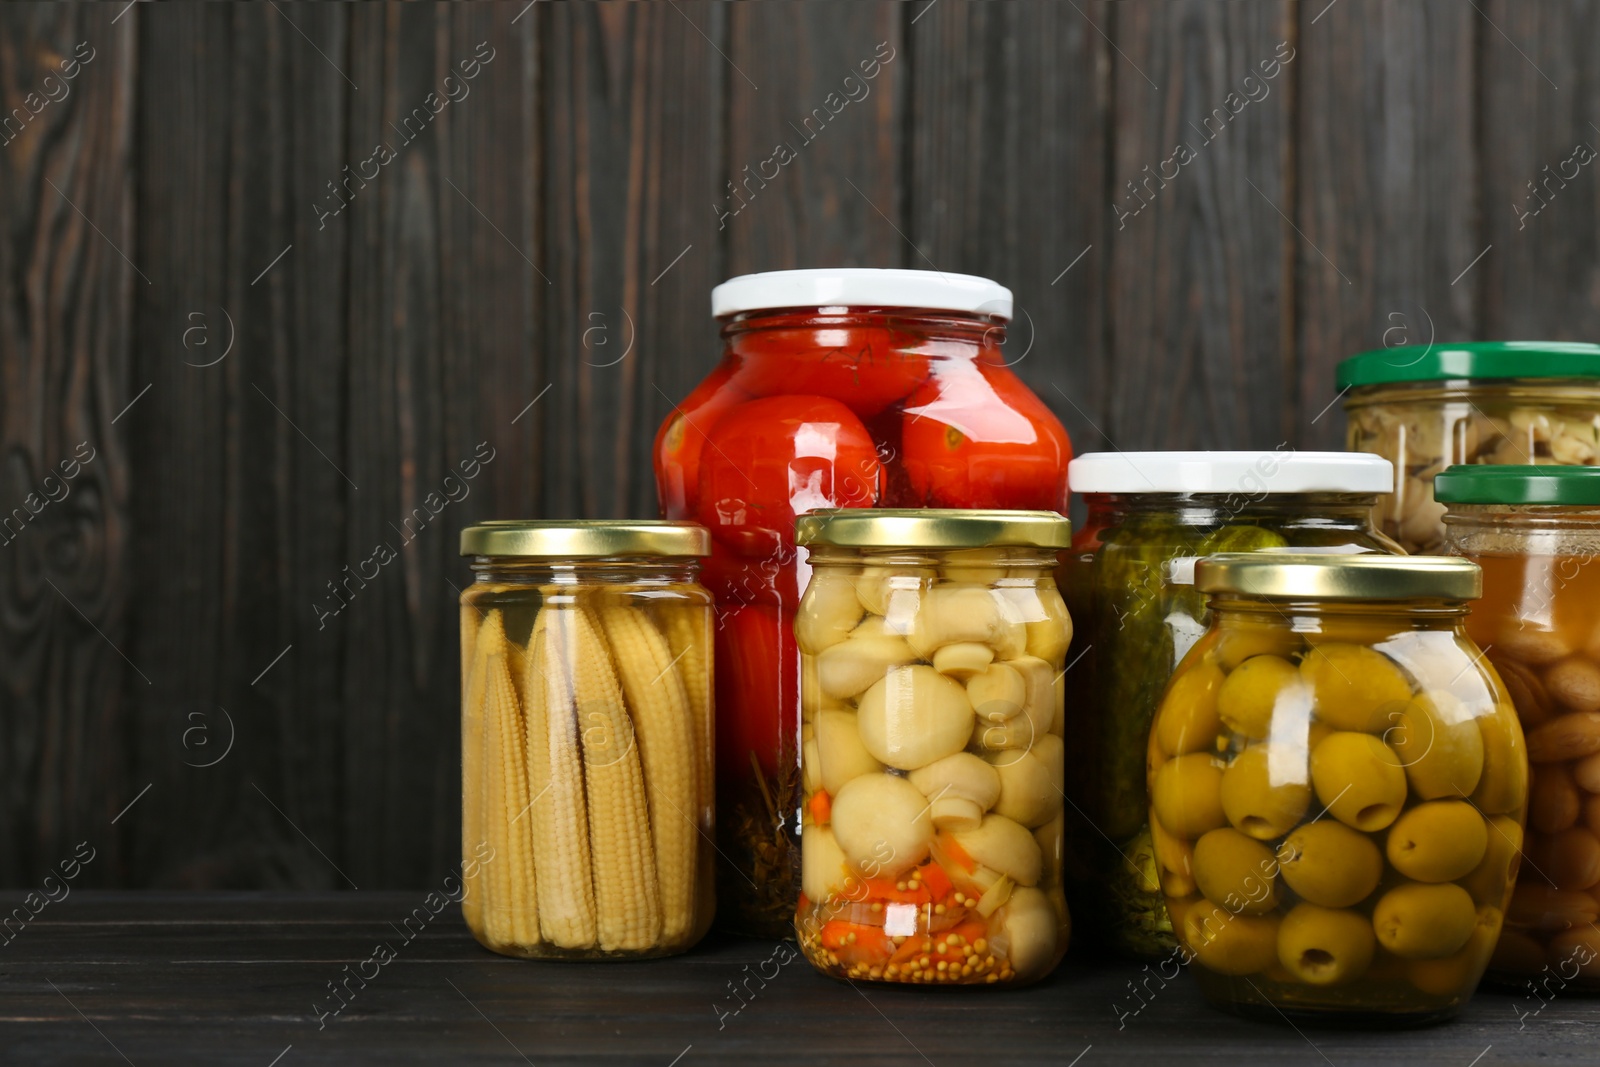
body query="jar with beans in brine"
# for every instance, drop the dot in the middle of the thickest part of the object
(1337, 783)
(586, 744)
(932, 645)
(1535, 531)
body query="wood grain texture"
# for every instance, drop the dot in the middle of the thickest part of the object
(1008, 146)
(443, 89)
(66, 79)
(240, 504)
(233, 980)
(1388, 189)
(530, 272)
(1540, 99)
(1201, 334)
(633, 110)
(839, 198)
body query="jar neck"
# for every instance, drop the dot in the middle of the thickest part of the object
(1424, 614)
(1513, 529)
(941, 334)
(1209, 509)
(1012, 559)
(630, 570)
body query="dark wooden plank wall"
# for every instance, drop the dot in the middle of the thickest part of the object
(548, 236)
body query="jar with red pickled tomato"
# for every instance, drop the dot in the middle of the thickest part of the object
(1535, 531)
(838, 388)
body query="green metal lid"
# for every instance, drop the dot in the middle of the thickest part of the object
(1474, 483)
(1479, 359)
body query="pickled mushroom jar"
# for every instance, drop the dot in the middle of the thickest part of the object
(1425, 407)
(1337, 784)
(1535, 531)
(932, 646)
(837, 388)
(1128, 581)
(586, 734)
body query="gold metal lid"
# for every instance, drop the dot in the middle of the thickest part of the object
(585, 538)
(1338, 576)
(932, 528)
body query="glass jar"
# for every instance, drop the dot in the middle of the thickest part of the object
(1337, 784)
(1535, 531)
(1128, 584)
(586, 739)
(1425, 407)
(932, 645)
(837, 388)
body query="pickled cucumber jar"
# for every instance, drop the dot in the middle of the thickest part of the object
(1425, 407)
(586, 739)
(931, 694)
(1535, 531)
(1337, 785)
(1127, 581)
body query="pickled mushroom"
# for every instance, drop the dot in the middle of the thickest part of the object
(914, 715)
(828, 612)
(1004, 846)
(1030, 927)
(883, 825)
(959, 788)
(951, 613)
(1030, 781)
(840, 754)
(852, 665)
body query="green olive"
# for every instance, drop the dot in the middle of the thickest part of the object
(1325, 946)
(1230, 944)
(1187, 721)
(1262, 799)
(1329, 864)
(1249, 694)
(1503, 788)
(1455, 976)
(1237, 642)
(1353, 687)
(1236, 871)
(1439, 841)
(1439, 745)
(1358, 778)
(1418, 921)
(1186, 794)
(1489, 880)
(1174, 861)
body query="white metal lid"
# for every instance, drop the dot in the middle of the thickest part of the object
(861, 287)
(1251, 473)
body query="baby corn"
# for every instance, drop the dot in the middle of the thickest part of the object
(556, 787)
(666, 739)
(626, 896)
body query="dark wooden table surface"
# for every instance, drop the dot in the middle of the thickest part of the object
(223, 979)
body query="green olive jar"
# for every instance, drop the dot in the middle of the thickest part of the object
(1127, 582)
(1337, 787)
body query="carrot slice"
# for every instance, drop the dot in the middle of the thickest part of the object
(821, 806)
(957, 854)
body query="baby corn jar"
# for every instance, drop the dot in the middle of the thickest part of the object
(932, 647)
(1535, 531)
(1337, 783)
(586, 727)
